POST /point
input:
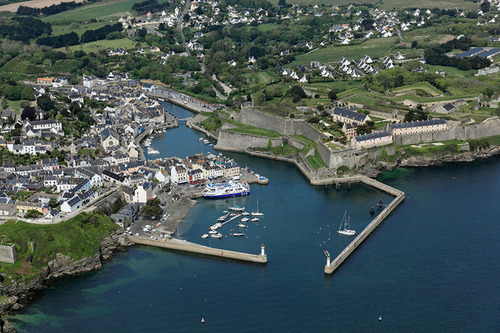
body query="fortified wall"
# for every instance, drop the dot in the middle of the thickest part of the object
(235, 140)
(286, 126)
(8, 253)
(489, 127)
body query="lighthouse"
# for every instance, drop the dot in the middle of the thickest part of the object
(262, 250)
(328, 260)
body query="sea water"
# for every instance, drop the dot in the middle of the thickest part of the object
(431, 266)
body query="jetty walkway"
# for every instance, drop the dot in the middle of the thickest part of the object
(185, 246)
(399, 197)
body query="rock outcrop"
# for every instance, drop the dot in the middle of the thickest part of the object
(18, 293)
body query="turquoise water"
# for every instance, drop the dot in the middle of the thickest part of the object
(432, 266)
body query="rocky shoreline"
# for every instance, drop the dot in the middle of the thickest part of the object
(20, 294)
(374, 168)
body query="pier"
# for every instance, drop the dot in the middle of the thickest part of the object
(185, 246)
(330, 267)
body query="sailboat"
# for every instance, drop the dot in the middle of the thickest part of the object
(346, 221)
(257, 213)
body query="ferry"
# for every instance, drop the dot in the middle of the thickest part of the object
(225, 190)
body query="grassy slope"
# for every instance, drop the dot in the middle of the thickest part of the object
(104, 44)
(78, 237)
(425, 86)
(374, 47)
(247, 129)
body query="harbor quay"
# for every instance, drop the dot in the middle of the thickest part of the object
(331, 266)
(185, 246)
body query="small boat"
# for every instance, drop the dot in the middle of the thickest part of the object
(241, 225)
(245, 213)
(223, 217)
(380, 204)
(204, 236)
(238, 234)
(200, 139)
(205, 141)
(245, 219)
(372, 211)
(346, 223)
(212, 232)
(236, 208)
(255, 219)
(257, 213)
(217, 235)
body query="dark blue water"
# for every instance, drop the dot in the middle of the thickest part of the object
(432, 266)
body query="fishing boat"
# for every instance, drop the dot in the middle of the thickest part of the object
(225, 190)
(257, 213)
(217, 235)
(238, 234)
(255, 219)
(346, 224)
(204, 236)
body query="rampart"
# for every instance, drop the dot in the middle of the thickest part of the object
(489, 127)
(229, 139)
(8, 253)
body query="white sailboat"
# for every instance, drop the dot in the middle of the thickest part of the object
(346, 221)
(257, 213)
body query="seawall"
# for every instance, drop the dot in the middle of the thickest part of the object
(185, 246)
(400, 196)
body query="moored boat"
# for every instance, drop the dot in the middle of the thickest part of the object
(225, 190)
(346, 223)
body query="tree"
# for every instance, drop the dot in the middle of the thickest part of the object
(332, 95)
(414, 44)
(45, 103)
(485, 6)
(297, 93)
(28, 113)
(53, 203)
(282, 3)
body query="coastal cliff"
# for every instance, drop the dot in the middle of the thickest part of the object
(18, 294)
(375, 167)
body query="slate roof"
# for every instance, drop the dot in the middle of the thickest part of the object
(374, 135)
(489, 53)
(418, 123)
(349, 114)
(470, 53)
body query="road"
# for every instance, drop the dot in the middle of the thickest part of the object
(179, 24)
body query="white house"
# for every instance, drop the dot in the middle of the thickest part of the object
(143, 193)
(72, 204)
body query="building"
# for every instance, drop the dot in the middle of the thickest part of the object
(348, 116)
(445, 108)
(489, 54)
(472, 52)
(349, 130)
(371, 140)
(72, 204)
(23, 207)
(419, 126)
(143, 193)
(488, 70)
(112, 177)
(126, 215)
(45, 80)
(109, 138)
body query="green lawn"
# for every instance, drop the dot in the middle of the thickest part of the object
(374, 47)
(316, 162)
(425, 86)
(99, 45)
(79, 28)
(247, 129)
(267, 27)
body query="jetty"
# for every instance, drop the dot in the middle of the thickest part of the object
(185, 246)
(331, 266)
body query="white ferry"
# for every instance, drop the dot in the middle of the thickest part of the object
(225, 190)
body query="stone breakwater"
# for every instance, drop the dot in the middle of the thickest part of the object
(19, 294)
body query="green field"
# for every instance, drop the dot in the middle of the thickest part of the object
(316, 162)
(389, 4)
(460, 4)
(99, 45)
(425, 86)
(374, 47)
(59, 29)
(105, 8)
